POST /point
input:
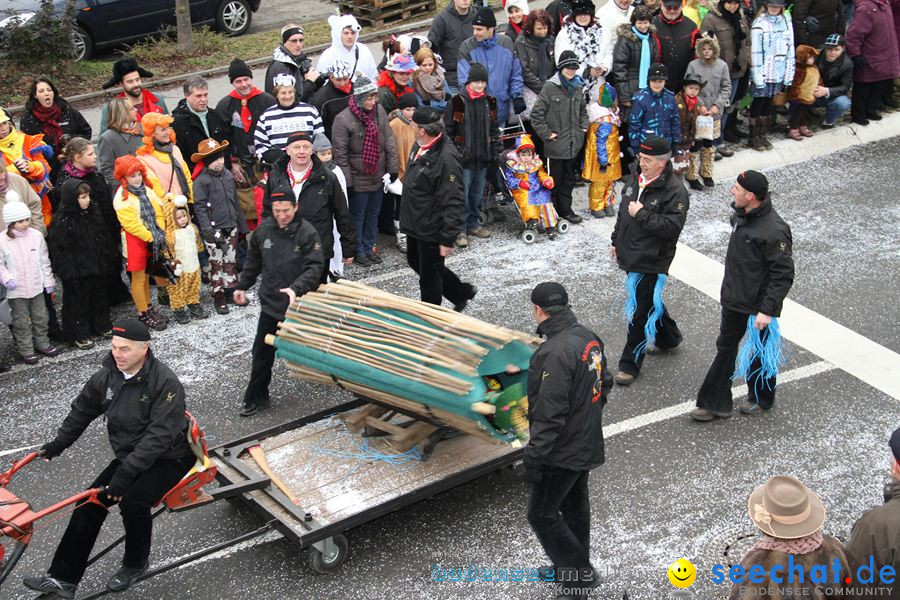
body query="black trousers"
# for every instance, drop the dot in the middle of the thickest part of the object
(85, 310)
(559, 512)
(52, 322)
(563, 173)
(387, 214)
(762, 107)
(715, 393)
(148, 488)
(866, 98)
(667, 332)
(263, 360)
(436, 281)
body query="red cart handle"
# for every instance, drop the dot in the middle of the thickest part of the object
(6, 476)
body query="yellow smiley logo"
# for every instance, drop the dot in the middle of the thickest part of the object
(682, 573)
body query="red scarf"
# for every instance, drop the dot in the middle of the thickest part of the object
(246, 117)
(148, 103)
(385, 80)
(49, 118)
(473, 95)
(516, 28)
(345, 89)
(690, 103)
(423, 149)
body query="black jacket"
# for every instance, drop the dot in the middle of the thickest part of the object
(677, 42)
(144, 415)
(432, 207)
(472, 125)
(215, 202)
(448, 31)
(626, 69)
(229, 109)
(80, 242)
(101, 197)
(837, 76)
(759, 265)
(189, 131)
(289, 257)
(646, 242)
(330, 102)
(322, 204)
(72, 123)
(568, 385)
(815, 20)
(297, 67)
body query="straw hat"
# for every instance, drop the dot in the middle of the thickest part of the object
(785, 508)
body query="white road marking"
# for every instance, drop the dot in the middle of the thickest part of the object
(17, 450)
(738, 392)
(265, 538)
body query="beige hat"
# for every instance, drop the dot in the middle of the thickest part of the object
(208, 147)
(785, 508)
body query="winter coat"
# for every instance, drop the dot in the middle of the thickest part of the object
(25, 260)
(653, 114)
(330, 102)
(759, 263)
(830, 551)
(404, 137)
(568, 386)
(815, 20)
(388, 90)
(837, 76)
(290, 257)
(80, 242)
(215, 202)
(27, 195)
(505, 72)
(189, 131)
(876, 534)
(241, 141)
(590, 45)
(348, 134)
(528, 50)
(806, 77)
(645, 243)
(611, 17)
(286, 69)
(101, 197)
(128, 210)
(432, 207)
(72, 123)
(714, 74)
(627, 60)
(715, 24)
(677, 40)
(688, 120)
(771, 51)
(161, 174)
(872, 35)
(359, 57)
(448, 31)
(144, 414)
(478, 141)
(115, 144)
(322, 204)
(565, 115)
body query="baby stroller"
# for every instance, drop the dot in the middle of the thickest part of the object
(499, 195)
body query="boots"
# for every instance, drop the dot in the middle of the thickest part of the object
(401, 238)
(755, 140)
(706, 166)
(220, 303)
(767, 123)
(731, 133)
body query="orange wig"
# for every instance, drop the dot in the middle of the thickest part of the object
(149, 123)
(125, 166)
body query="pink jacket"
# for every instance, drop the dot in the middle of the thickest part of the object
(25, 259)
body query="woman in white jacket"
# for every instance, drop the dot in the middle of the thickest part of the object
(345, 46)
(583, 35)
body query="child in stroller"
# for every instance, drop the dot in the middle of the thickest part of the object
(530, 186)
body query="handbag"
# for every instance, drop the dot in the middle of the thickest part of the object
(705, 128)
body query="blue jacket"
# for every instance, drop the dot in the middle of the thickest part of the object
(653, 114)
(498, 56)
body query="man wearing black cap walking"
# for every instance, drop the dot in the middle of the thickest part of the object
(432, 210)
(651, 216)
(142, 402)
(568, 386)
(759, 272)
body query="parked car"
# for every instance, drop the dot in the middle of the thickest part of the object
(102, 23)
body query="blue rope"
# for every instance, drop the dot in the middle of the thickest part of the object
(631, 282)
(653, 318)
(767, 346)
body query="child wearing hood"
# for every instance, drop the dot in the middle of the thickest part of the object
(602, 154)
(530, 187)
(715, 96)
(345, 46)
(800, 92)
(184, 296)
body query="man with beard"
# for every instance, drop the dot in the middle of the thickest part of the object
(290, 62)
(128, 74)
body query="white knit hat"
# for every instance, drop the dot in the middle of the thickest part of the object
(15, 211)
(520, 4)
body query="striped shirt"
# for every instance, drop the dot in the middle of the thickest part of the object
(277, 123)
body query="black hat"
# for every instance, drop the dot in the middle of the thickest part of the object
(833, 40)
(895, 444)
(676, 3)
(755, 183)
(549, 293)
(583, 7)
(485, 17)
(655, 146)
(238, 68)
(408, 100)
(425, 115)
(657, 71)
(692, 78)
(131, 329)
(123, 67)
(568, 59)
(477, 72)
(299, 136)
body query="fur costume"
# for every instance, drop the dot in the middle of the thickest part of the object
(534, 198)
(602, 155)
(806, 77)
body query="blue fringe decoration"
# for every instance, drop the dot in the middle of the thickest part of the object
(767, 345)
(654, 317)
(631, 282)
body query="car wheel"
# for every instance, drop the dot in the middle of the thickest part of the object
(82, 45)
(233, 17)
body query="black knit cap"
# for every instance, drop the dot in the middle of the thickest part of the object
(131, 329)
(583, 7)
(425, 115)
(895, 444)
(568, 59)
(549, 293)
(657, 71)
(238, 68)
(299, 136)
(655, 146)
(408, 100)
(477, 72)
(485, 17)
(755, 183)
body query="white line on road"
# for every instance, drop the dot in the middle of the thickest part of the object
(17, 450)
(265, 538)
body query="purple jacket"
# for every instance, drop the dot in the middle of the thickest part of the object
(872, 35)
(26, 261)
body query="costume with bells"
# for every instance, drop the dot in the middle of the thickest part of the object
(602, 156)
(530, 186)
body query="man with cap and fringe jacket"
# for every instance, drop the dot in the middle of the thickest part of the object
(759, 272)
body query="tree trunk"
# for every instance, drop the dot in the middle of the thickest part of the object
(183, 21)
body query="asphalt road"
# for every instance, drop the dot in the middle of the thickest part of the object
(671, 488)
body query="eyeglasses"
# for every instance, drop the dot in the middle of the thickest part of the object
(295, 40)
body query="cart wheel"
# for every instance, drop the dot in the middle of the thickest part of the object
(562, 226)
(528, 236)
(11, 551)
(333, 558)
(484, 217)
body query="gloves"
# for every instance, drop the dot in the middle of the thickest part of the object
(49, 289)
(813, 25)
(548, 183)
(211, 236)
(386, 179)
(859, 62)
(524, 185)
(51, 450)
(11, 284)
(120, 483)
(519, 105)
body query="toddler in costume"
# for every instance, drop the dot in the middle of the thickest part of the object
(602, 156)
(184, 295)
(530, 187)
